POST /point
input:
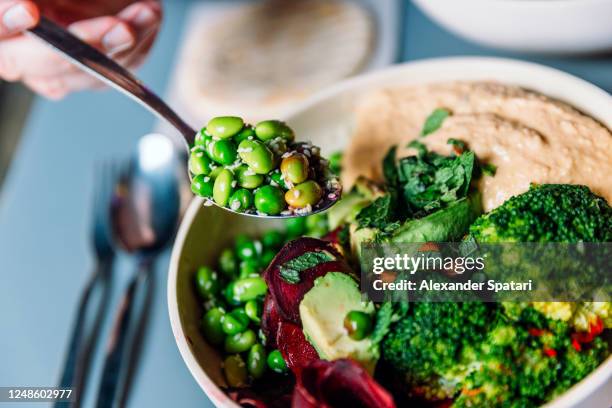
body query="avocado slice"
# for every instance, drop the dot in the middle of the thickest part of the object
(322, 312)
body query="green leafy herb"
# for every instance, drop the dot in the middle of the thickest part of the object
(434, 121)
(459, 145)
(290, 270)
(344, 235)
(389, 167)
(379, 214)
(386, 315)
(488, 169)
(420, 147)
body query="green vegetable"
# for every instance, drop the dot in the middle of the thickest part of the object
(488, 169)
(227, 263)
(270, 129)
(247, 178)
(295, 168)
(202, 138)
(290, 271)
(273, 239)
(269, 200)
(211, 326)
(257, 156)
(317, 225)
(235, 371)
(228, 294)
(304, 194)
(295, 227)
(256, 361)
(276, 362)
(358, 324)
(223, 187)
(276, 179)
(434, 121)
(246, 132)
(248, 268)
(222, 151)
(246, 247)
(335, 162)
(267, 257)
(199, 163)
(202, 185)
(234, 322)
(253, 309)
(548, 213)
(240, 342)
(207, 282)
(224, 127)
(380, 214)
(241, 200)
(249, 288)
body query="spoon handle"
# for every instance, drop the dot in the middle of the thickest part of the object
(99, 65)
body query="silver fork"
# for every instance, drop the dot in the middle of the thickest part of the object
(95, 296)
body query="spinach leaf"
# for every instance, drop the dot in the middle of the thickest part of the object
(290, 270)
(379, 214)
(434, 121)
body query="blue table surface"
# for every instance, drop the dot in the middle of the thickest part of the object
(45, 202)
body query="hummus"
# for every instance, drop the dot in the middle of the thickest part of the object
(529, 137)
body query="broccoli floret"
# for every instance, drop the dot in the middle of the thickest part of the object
(548, 213)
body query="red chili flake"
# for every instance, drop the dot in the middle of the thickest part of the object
(536, 332)
(550, 352)
(576, 344)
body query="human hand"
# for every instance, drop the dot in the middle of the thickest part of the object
(122, 29)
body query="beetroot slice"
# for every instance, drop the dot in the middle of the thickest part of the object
(339, 383)
(270, 320)
(294, 347)
(289, 295)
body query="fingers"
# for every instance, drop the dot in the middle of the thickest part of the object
(16, 16)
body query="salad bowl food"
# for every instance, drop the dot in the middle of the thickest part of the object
(363, 117)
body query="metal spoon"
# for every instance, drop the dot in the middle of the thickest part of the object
(144, 214)
(99, 65)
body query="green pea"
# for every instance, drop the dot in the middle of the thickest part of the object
(295, 168)
(253, 309)
(240, 342)
(257, 156)
(358, 324)
(207, 282)
(256, 361)
(244, 134)
(241, 200)
(228, 263)
(235, 371)
(202, 138)
(296, 227)
(277, 178)
(247, 178)
(273, 239)
(211, 326)
(202, 185)
(317, 225)
(249, 288)
(305, 194)
(234, 322)
(222, 151)
(228, 293)
(246, 247)
(269, 129)
(276, 362)
(249, 268)
(266, 257)
(224, 127)
(223, 187)
(269, 200)
(199, 163)
(335, 163)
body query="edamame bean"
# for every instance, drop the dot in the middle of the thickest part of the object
(228, 263)
(199, 162)
(273, 239)
(358, 324)
(256, 155)
(253, 309)
(266, 257)
(244, 134)
(295, 168)
(277, 178)
(269, 129)
(211, 326)
(240, 342)
(224, 127)
(278, 146)
(228, 293)
(248, 268)
(207, 282)
(202, 185)
(269, 200)
(234, 322)
(276, 362)
(247, 178)
(223, 187)
(249, 288)
(222, 151)
(317, 225)
(305, 194)
(235, 371)
(295, 227)
(256, 361)
(241, 200)
(215, 171)
(335, 163)
(247, 248)
(202, 138)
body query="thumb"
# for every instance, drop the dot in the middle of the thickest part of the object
(16, 16)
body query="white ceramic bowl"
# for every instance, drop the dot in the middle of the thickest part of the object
(544, 26)
(326, 119)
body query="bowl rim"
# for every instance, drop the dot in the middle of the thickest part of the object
(590, 95)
